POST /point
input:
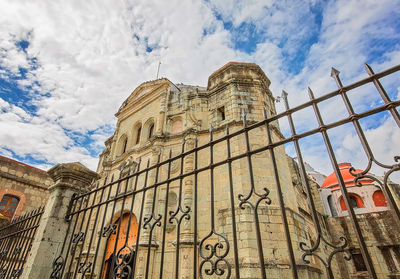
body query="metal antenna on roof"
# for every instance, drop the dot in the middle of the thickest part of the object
(158, 70)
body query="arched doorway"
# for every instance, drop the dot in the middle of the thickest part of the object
(124, 248)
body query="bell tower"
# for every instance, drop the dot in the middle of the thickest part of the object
(237, 86)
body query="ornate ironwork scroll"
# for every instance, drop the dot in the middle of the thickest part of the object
(58, 265)
(16, 273)
(3, 254)
(336, 249)
(85, 267)
(124, 261)
(17, 250)
(109, 230)
(214, 255)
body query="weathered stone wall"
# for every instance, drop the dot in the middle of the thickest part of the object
(28, 183)
(382, 237)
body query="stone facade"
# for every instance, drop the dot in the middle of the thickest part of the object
(382, 239)
(161, 119)
(27, 183)
(157, 116)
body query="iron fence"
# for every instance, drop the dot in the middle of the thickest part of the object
(15, 243)
(106, 239)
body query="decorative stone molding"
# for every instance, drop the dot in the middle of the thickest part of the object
(73, 175)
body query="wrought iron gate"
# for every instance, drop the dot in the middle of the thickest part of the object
(213, 249)
(15, 243)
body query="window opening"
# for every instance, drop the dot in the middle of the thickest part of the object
(221, 113)
(151, 130)
(8, 205)
(359, 262)
(139, 130)
(379, 198)
(354, 200)
(125, 145)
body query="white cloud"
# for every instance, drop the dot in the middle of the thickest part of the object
(43, 141)
(84, 58)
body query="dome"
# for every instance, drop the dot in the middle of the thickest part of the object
(332, 182)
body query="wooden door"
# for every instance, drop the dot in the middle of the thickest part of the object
(111, 251)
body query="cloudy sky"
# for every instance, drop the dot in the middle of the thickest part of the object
(65, 67)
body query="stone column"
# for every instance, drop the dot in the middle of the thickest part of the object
(68, 179)
(161, 120)
(186, 237)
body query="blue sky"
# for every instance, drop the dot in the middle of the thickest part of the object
(65, 68)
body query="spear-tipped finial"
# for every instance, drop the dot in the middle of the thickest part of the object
(211, 128)
(368, 69)
(334, 72)
(310, 93)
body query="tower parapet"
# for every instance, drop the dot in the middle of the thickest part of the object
(237, 86)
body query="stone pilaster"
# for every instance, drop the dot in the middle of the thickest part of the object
(68, 179)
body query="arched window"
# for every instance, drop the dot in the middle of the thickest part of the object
(379, 198)
(125, 145)
(354, 200)
(122, 145)
(151, 130)
(8, 205)
(137, 131)
(148, 129)
(332, 206)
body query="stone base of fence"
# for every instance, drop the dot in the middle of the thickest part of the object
(68, 179)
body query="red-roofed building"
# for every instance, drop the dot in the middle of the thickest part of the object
(366, 199)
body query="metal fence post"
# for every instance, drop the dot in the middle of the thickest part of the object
(69, 178)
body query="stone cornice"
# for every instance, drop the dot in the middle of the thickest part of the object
(72, 175)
